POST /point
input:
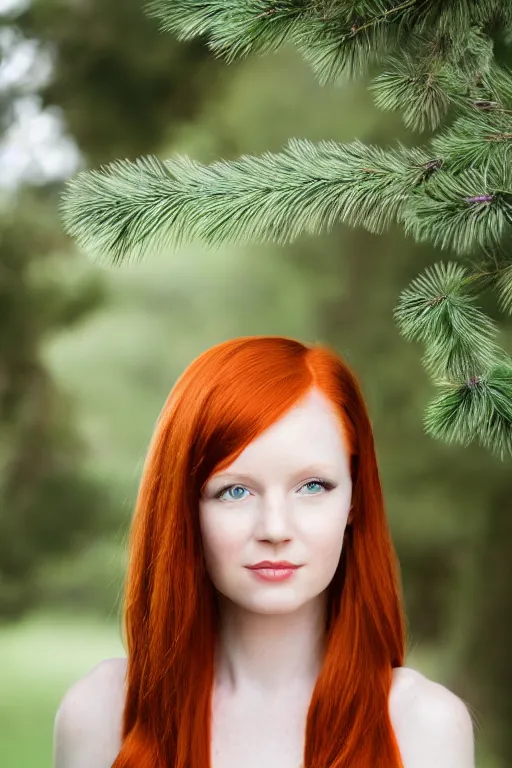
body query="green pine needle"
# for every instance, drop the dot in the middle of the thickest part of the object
(438, 309)
(127, 209)
(334, 36)
(423, 97)
(234, 28)
(438, 58)
(462, 211)
(343, 50)
(480, 140)
(479, 408)
(504, 289)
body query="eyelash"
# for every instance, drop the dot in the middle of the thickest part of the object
(328, 486)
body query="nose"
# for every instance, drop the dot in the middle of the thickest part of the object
(273, 521)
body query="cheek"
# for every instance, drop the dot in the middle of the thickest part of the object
(223, 540)
(326, 545)
(324, 532)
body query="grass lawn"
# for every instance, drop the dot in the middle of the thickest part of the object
(39, 659)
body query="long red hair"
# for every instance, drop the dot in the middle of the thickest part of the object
(227, 397)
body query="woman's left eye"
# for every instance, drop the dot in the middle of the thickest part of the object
(324, 483)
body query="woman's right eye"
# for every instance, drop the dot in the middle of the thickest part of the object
(230, 488)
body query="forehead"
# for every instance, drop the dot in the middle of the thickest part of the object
(309, 434)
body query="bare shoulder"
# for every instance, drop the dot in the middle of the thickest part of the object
(87, 729)
(432, 725)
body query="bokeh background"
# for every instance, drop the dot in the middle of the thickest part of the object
(88, 355)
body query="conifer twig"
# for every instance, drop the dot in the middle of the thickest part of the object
(455, 192)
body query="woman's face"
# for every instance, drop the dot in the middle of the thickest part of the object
(270, 504)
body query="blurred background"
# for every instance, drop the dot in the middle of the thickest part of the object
(88, 355)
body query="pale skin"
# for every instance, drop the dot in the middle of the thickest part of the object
(269, 650)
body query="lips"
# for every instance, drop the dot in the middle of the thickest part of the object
(276, 566)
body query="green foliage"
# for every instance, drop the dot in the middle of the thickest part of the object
(455, 192)
(116, 91)
(440, 307)
(48, 502)
(127, 209)
(439, 310)
(479, 407)
(336, 37)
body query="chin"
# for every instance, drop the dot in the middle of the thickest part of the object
(273, 604)
(272, 610)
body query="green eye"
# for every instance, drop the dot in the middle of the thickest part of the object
(313, 482)
(324, 483)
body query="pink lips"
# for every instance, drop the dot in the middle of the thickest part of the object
(277, 571)
(273, 565)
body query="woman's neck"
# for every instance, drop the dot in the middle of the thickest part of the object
(265, 654)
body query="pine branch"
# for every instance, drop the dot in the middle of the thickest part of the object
(129, 208)
(438, 309)
(423, 97)
(336, 37)
(331, 35)
(482, 139)
(234, 28)
(504, 289)
(464, 211)
(456, 192)
(476, 409)
(473, 374)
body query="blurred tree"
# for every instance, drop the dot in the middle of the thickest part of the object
(48, 504)
(117, 93)
(122, 86)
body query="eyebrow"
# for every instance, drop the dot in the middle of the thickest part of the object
(316, 469)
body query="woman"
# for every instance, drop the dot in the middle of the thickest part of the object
(263, 618)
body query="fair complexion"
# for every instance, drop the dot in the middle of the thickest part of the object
(271, 504)
(270, 650)
(286, 497)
